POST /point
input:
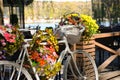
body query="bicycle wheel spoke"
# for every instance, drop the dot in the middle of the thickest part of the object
(81, 67)
(9, 71)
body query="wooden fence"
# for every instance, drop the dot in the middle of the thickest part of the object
(95, 42)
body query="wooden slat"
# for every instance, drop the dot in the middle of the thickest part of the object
(105, 47)
(106, 62)
(109, 75)
(86, 63)
(86, 59)
(90, 50)
(104, 35)
(92, 53)
(116, 78)
(85, 46)
(88, 67)
(81, 55)
(86, 42)
(90, 71)
(92, 78)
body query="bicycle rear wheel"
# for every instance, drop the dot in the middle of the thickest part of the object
(9, 71)
(86, 66)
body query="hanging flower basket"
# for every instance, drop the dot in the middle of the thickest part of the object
(43, 54)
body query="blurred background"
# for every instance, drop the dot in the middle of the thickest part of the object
(47, 13)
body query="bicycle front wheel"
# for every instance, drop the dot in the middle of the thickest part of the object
(10, 70)
(81, 67)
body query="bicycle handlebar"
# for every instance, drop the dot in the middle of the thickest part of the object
(62, 30)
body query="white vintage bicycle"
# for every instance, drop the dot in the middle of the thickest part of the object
(77, 64)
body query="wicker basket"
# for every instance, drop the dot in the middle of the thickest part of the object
(72, 33)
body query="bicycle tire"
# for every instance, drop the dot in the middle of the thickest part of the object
(7, 68)
(85, 64)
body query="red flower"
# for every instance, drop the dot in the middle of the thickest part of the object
(9, 37)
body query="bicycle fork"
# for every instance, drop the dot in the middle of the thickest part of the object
(76, 74)
(20, 61)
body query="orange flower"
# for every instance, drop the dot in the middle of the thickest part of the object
(42, 62)
(71, 21)
(38, 59)
(34, 55)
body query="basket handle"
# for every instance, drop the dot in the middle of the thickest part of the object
(82, 29)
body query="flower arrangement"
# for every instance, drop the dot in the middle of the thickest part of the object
(42, 52)
(88, 22)
(90, 25)
(10, 40)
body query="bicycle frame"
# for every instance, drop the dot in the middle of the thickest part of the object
(21, 59)
(68, 51)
